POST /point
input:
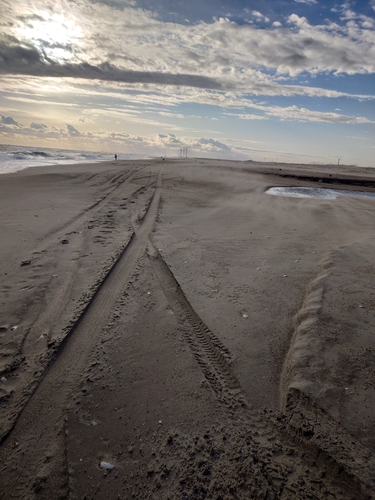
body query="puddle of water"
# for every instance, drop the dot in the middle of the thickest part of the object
(322, 193)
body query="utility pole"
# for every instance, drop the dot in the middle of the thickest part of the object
(338, 161)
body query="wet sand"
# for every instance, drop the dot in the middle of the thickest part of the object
(172, 320)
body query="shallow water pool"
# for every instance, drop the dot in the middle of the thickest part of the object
(312, 192)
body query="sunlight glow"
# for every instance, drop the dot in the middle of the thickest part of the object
(55, 34)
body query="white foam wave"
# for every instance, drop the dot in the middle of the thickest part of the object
(14, 158)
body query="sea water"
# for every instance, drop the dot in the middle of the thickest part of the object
(312, 192)
(13, 158)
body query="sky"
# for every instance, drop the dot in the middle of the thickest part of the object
(287, 81)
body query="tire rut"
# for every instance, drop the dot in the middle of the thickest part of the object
(119, 181)
(212, 356)
(33, 459)
(33, 345)
(322, 445)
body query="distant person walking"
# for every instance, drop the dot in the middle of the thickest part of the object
(115, 157)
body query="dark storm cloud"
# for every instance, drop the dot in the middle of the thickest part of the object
(17, 56)
(27, 60)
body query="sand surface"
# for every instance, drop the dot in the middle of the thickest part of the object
(203, 338)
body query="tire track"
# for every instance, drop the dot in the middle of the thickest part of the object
(120, 180)
(33, 460)
(212, 356)
(37, 335)
(323, 445)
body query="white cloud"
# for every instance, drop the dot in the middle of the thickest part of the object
(163, 143)
(297, 20)
(303, 114)
(259, 17)
(40, 101)
(171, 115)
(113, 65)
(357, 138)
(149, 144)
(306, 1)
(299, 114)
(247, 116)
(131, 45)
(9, 130)
(356, 20)
(135, 100)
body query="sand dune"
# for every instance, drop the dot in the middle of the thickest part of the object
(171, 319)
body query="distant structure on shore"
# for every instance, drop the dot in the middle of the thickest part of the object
(183, 152)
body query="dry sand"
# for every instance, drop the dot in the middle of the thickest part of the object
(204, 338)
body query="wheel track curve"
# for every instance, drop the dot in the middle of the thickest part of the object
(41, 424)
(57, 303)
(210, 353)
(326, 457)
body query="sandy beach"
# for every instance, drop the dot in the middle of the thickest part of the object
(170, 331)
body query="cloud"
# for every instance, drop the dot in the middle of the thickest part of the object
(295, 113)
(36, 99)
(18, 60)
(306, 1)
(38, 126)
(297, 20)
(10, 128)
(212, 145)
(160, 143)
(152, 144)
(118, 4)
(157, 108)
(247, 116)
(169, 94)
(259, 17)
(8, 120)
(170, 115)
(302, 114)
(353, 18)
(72, 131)
(125, 44)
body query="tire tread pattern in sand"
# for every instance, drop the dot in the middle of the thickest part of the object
(39, 430)
(313, 437)
(30, 353)
(211, 355)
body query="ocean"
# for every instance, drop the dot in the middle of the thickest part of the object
(13, 158)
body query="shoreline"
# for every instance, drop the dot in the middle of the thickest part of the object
(191, 335)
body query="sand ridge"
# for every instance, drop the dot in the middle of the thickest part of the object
(192, 332)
